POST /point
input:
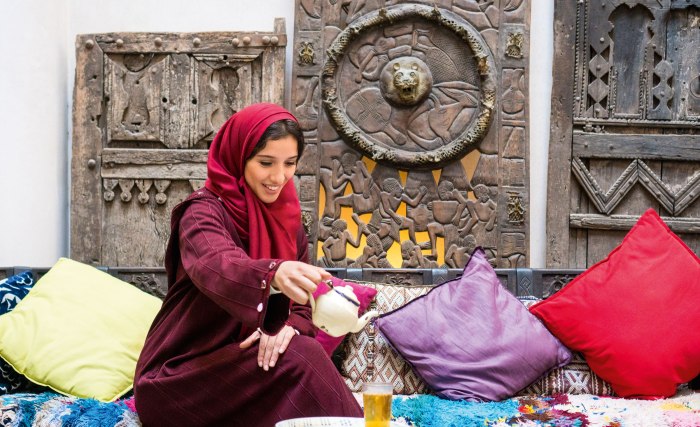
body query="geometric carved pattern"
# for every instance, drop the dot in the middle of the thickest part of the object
(525, 286)
(598, 89)
(636, 172)
(662, 93)
(369, 355)
(625, 78)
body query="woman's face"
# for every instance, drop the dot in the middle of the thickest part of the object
(271, 168)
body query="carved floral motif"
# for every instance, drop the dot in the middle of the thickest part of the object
(516, 211)
(306, 53)
(514, 45)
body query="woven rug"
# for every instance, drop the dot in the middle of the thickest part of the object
(51, 409)
(682, 410)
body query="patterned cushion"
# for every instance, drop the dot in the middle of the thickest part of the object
(529, 300)
(368, 356)
(574, 378)
(12, 290)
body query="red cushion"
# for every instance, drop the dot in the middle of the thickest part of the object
(364, 294)
(634, 315)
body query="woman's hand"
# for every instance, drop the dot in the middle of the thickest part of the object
(271, 346)
(297, 279)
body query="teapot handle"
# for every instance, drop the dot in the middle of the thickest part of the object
(311, 296)
(312, 301)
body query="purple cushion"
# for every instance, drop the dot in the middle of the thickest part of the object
(471, 339)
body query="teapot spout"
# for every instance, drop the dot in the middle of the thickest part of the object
(362, 321)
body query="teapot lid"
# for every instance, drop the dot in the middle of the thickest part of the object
(350, 297)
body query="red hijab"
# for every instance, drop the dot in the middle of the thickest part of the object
(270, 230)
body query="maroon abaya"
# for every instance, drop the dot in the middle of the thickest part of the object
(192, 371)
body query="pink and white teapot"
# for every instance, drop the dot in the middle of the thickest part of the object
(336, 311)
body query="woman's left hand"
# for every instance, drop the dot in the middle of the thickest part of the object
(271, 346)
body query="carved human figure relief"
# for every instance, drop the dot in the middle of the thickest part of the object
(458, 253)
(336, 239)
(447, 212)
(365, 192)
(412, 256)
(411, 88)
(482, 217)
(385, 220)
(332, 188)
(373, 254)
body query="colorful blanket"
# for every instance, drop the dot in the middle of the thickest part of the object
(51, 409)
(682, 410)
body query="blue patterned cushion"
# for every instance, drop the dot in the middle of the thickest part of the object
(12, 290)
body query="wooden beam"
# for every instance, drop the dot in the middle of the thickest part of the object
(559, 178)
(626, 222)
(652, 146)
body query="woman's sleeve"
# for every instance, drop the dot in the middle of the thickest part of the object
(300, 315)
(219, 267)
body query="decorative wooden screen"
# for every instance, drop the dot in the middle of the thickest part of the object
(146, 107)
(415, 115)
(625, 124)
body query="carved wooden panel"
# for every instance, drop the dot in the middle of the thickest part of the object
(625, 124)
(146, 107)
(415, 115)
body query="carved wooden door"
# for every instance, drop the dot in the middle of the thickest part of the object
(416, 119)
(146, 107)
(625, 124)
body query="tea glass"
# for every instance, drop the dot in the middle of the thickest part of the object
(377, 400)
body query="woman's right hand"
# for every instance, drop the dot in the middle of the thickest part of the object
(297, 280)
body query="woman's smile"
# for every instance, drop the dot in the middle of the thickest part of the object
(272, 189)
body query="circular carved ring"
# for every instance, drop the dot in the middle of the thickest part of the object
(405, 83)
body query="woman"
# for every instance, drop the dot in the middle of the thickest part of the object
(233, 343)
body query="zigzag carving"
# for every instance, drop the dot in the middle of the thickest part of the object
(687, 195)
(636, 172)
(605, 202)
(656, 187)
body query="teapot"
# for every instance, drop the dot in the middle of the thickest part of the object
(336, 311)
